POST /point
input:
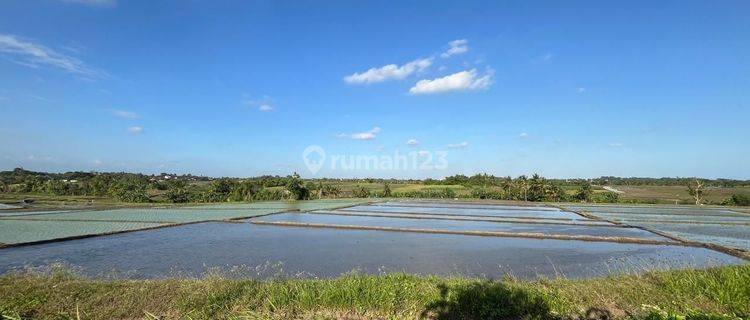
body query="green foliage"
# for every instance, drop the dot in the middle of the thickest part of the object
(244, 191)
(219, 190)
(489, 300)
(607, 197)
(130, 189)
(295, 187)
(330, 191)
(360, 192)
(267, 194)
(441, 193)
(386, 190)
(712, 294)
(656, 313)
(584, 192)
(99, 185)
(737, 200)
(55, 187)
(177, 192)
(486, 193)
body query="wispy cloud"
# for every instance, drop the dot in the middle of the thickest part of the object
(264, 104)
(124, 114)
(456, 47)
(581, 89)
(135, 129)
(93, 2)
(39, 98)
(523, 135)
(36, 158)
(459, 145)
(34, 55)
(412, 142)
(461, 81)
(616, 144)
(265, 107)
(367, 135)
(388, 72)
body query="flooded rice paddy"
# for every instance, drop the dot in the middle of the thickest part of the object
(329, 237)
(712, 225)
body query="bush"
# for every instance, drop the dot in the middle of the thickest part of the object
(266, 194)
(737, 200)
(296, 187)
(486, 193)
(178, 195)
(607, 197)
(360, 192)
(219, 190)
(386, 191)
(130, 189)
(445, 193)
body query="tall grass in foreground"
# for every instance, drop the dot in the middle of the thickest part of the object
(717, 293)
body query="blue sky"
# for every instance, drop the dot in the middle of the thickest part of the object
(242, 88)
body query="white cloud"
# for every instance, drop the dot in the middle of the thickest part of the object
(135, 129)
(265, 107)
(460, 81)
(456, 47)
(367, 135)
(523, 135)
(264, 104)
(34, 158)
(412, 142)
(125, 114)
(581, 89)
(616, 144)
(93, 2)
(459, 145)
(388, 72)
(35, 55)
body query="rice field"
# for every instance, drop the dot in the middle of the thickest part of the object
(712, 225)
(28, 226)
(327, 238)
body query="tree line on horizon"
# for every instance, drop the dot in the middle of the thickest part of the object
(135, 187)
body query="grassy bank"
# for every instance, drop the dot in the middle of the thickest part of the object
(62, 295)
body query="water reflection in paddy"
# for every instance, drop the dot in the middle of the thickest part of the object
(498, 212)
(549, 229)
(330, 252)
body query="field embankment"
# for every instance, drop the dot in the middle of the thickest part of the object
(720, 292)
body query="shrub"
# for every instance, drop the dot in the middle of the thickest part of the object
(360, 192)
(607, 197)
(296, 187)
(486, 193)
(266, 194)
(737, 200)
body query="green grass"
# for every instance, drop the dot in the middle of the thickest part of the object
(61, 295)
